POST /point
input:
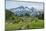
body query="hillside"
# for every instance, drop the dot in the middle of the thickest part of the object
(24, 23)
(21, 10)
(14, 22)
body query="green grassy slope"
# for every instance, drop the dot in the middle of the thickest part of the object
(21, 23)
(24, 23)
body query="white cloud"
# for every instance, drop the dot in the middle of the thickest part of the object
(11, 4)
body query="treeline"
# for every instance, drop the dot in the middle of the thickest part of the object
(41, 15)
(9, 14)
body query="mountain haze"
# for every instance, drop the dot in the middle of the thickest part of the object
(21, 10)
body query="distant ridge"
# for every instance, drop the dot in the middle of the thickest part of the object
(24, 9)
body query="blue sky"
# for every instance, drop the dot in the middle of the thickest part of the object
(13, 4)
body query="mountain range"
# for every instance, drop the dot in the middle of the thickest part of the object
(21, 10)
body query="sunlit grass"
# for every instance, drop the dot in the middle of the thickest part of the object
(27, 23)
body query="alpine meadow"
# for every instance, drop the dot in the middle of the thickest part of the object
(23, 15)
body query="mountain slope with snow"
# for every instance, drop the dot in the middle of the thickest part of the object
(21, 10)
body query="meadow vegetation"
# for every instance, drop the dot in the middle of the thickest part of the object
(13, 22)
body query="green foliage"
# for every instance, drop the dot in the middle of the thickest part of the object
(27, 23)
(41, 15)
(8, 14)
(22, 22)
(38, 24)
(26, 14)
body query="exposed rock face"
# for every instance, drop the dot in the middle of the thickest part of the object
(21, 11)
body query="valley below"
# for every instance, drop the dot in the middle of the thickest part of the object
(24, 23)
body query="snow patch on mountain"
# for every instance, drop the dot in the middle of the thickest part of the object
(21, 10)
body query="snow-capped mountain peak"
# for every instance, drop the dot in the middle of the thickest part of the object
(24, 9)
